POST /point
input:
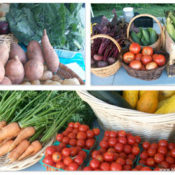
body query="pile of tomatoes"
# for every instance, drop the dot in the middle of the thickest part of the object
(159, 155)
(143, 59)
(117, 152)
(64, 158)
(80, 135)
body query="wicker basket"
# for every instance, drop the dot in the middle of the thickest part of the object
(150, 127)
(23, 164)
(157, 45)
(146, 74)
(108, 70)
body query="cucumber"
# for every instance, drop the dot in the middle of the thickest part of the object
(145, 35)
(135, 38)
(144, 42)
(153, 35)
(139, 34)
(111, 97)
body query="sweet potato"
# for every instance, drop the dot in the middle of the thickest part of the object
(34, 51)
(16, 50)
(34, 70)
(14, 70)
(49, 53)
(5, 81)
(4, 52)
(2, 71)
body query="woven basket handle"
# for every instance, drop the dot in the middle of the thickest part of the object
(142, 15)
(107, 37)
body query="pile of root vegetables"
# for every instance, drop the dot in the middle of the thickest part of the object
(38, 65)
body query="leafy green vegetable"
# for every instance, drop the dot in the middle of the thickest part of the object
(62, 22)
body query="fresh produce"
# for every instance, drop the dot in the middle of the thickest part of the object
(6, 81)
(49, 53)
(2, 72)
(170, 24)
(14, 70)
(4, 52)
(4, 27)
(16, 50)
(144, 59)
(4, 148)
(131, 97)
(144, 37)
(2, 124)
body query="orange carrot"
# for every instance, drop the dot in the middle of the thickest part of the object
(18, 151)
(2, 124)
(5, 147)
(24, 134)
(31, 150)
(9, 131)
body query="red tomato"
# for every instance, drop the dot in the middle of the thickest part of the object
(83, 128)
(154, 146)
(75, 131)
(50, 150)
(62, 145)
(158, 157)
(111, 150)
(104, 144)
(71, 124)
(146, 59)
(90, 134)
(66, 140)
(95, 153)
(65, 133)
(127, 167)
(163, 143)
(77, 125)
(119, 147)
(143, 67)
(128, 57)
(135, 150)
(73, 151)
(151, 65)
(99, 158)
(107, 133)
(146, 145)
(66, 152)
(73, 166)
(56, 157)
(122, 140)
(72, 135)
(94, 164)
(127, 149)
(81, 135)
(82, 154)
(102, 150)
(138, 57)
(73, 142)
(145, 169)
(135, 64)
(81, 143)
(88, 168)
(173, 152)
(131, 140)
(78, 159)
(151, 152)
(69, 129)
(144, 155)
(60, 165)
(123, 155)
(67, 160)
(159, 59)
(96, 131)
(116, 167)
(121, 133)
(142, 162)
(90, 143)
(139, 167)
(150, 162)
(162, 150)
(129, 162)
(59, 137)
(138, 139)
(157, 169)
(131, 156)
(48, 160)
(134, 48)
(109, 157)
(170, 160)
(172, 167)
(113, 134)
(147, 51)
(164, 164)
(105, 166)
(171, 146)
(121, 161)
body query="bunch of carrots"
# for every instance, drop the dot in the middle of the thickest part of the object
(29, 119)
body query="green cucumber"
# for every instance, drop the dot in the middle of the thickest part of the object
(111, 97)
(144, 42)
(139, 34)
(153, 35)
(145, 35)
(135, 38)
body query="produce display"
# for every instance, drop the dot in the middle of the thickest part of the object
(144, 37)
(143, 59)
(170, 24)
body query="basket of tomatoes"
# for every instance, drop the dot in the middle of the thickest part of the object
(144, 63)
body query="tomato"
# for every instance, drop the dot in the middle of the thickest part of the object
(138, 139)
(121, 133)
(104, 144)
(77, 125)
(145, 169)
(131, 156)
(127, 167)
(95, 153)
(144, 155)
(147, 51)
(139, 167)
(157, 169)
(146, 145)
(60, 165)
(82, 154)
(116, 155)
(122, 140)
(90, 143)
(146, 59)
(143, 67)
(99, 158)
(127, 149)
(172, 167)
(59, 137)
(65, 133)
(108, 156)
(134, 48)
(135, 64)
(62, 145)
(69, 129)
(150, 162)
(56, 157)
(71, 124)
(73, 166)
(105, 166)
(158, 157)
(164, 164)
(96, 131)
(123, 155)
(138, 56)
(90, 134)
(143, 162)
(81, 135)
(170, 160)
(88, 168)
(129, 162)
(131, 140)
(151, 65)
(81, 143)
(116, 167)
(107, 133)
(163, 143)
(66, 152)
(121, 161)
(128, 57)
(83, 128)
(94, 164)
(67, 160)
(111, 150)
(135, 150)
(50, 150)
(151, 151)
(113, 134)
(66, 140)
(48, 160)
(119, 147)
(154, 146)
(72, 135)
(162, 149)
(78, 159)
(73, 151)
(102, 150)
(159, 59)
(171, 146)
(173, 152)
(73, 142)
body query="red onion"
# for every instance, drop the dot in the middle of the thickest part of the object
(4, 27)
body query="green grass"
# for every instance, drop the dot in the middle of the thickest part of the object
(154, 9)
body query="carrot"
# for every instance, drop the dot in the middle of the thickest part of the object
(2, 124)
(9, 131)
(19, 150)
(5, 147)
(49, 53)
(24, 134)
(31, 150)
